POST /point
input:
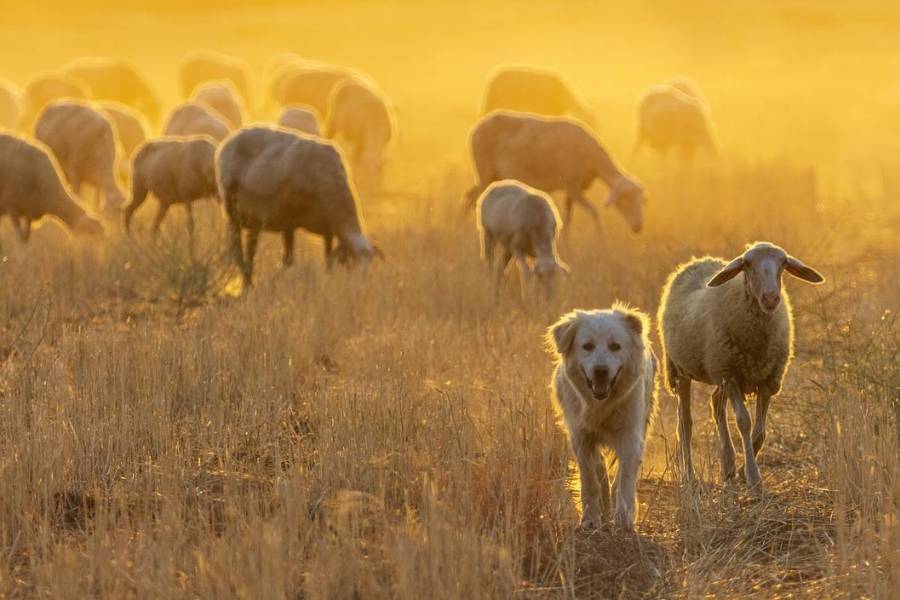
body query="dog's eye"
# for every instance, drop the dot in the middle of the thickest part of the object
(614, 346)
(589, 346)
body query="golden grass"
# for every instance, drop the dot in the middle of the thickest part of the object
(390, 434)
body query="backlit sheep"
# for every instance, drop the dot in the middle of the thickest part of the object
(222, 97)
(302, 119)
(533, 90)
(118, 80)
(195, 118)
(202, 66)
(730, 325)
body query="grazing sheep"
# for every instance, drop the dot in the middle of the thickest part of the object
(309, 83)
(670, 118)
(303, 119)
(131, 126)
(604, 385)
(46, 88)
(83, 140)
(551, 154)
(195, 118)
(688, 86)
(31, 188)
(222, 97)
(525, 223)
(202, 66)
(275, 180)
(361, 120)
(532, 90)
(177, 171)
(118, 80)
(10, 106)
(734, 332)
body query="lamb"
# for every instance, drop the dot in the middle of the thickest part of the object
(551, 154)
(31, 188)
(309, 83)
(533, 90)
(735, 333)
(118, 80)
(195, 118)
(302, 119)
(223, 98)
(525, 223)
(175, 170)
(670, 118)
(361, 120)
(10, 106)
(83, 141)
(44, 89)
(203, 66)
(275, 180)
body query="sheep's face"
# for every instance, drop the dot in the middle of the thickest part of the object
(629, 200)
(547, 273)
(597, 348)
(762, 265)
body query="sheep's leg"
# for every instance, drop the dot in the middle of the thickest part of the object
(742, 416)
(685, 424)
(471, 198)
(189, 214)
(288, 258)
(329, 251)
(160, 215)
(591, 471)
(501, 267)
(252, 243)
(629, 450)
(727, 450)
(139, 193)
(487, 249)
(237, 250)
(524, 273)
(759, 427)
(586, 204)
(22, 225)
(567, 220)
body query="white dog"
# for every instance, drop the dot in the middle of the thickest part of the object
(605, 386)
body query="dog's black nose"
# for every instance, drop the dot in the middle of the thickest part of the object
(601, 373)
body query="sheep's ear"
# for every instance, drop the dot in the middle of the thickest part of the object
(728, 272)
(561, 334)
(564, 269)
(799, 270)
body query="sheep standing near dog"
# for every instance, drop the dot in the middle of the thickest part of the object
(551, 155)
(44, 89)
(730, 325)
(31, 188)
(176, 171)
(10, 106)
(604, 385)
(525, 223)
(196, 118)
(202, 66)
(118, 80)
(533, 90)
(671, 117)
(275, 180)
(84, 142)
(303, 119)
(223, 98)
(361, 120)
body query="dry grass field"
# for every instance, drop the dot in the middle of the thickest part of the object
(390, 433)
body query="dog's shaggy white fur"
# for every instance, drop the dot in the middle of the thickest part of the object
(604, 385)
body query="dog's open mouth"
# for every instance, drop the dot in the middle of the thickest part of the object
(601, 390)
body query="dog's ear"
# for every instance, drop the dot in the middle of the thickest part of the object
(635, 320)
(561, 334)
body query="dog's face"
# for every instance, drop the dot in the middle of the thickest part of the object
(600, 348)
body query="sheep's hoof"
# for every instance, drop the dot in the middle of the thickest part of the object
(591, 522)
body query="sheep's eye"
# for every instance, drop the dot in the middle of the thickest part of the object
(589, 346)
(614, 346)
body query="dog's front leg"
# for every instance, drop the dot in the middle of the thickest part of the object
(630, 451)
(586, 456)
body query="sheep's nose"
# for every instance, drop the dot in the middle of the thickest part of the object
(771, 300)
(637, 228)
